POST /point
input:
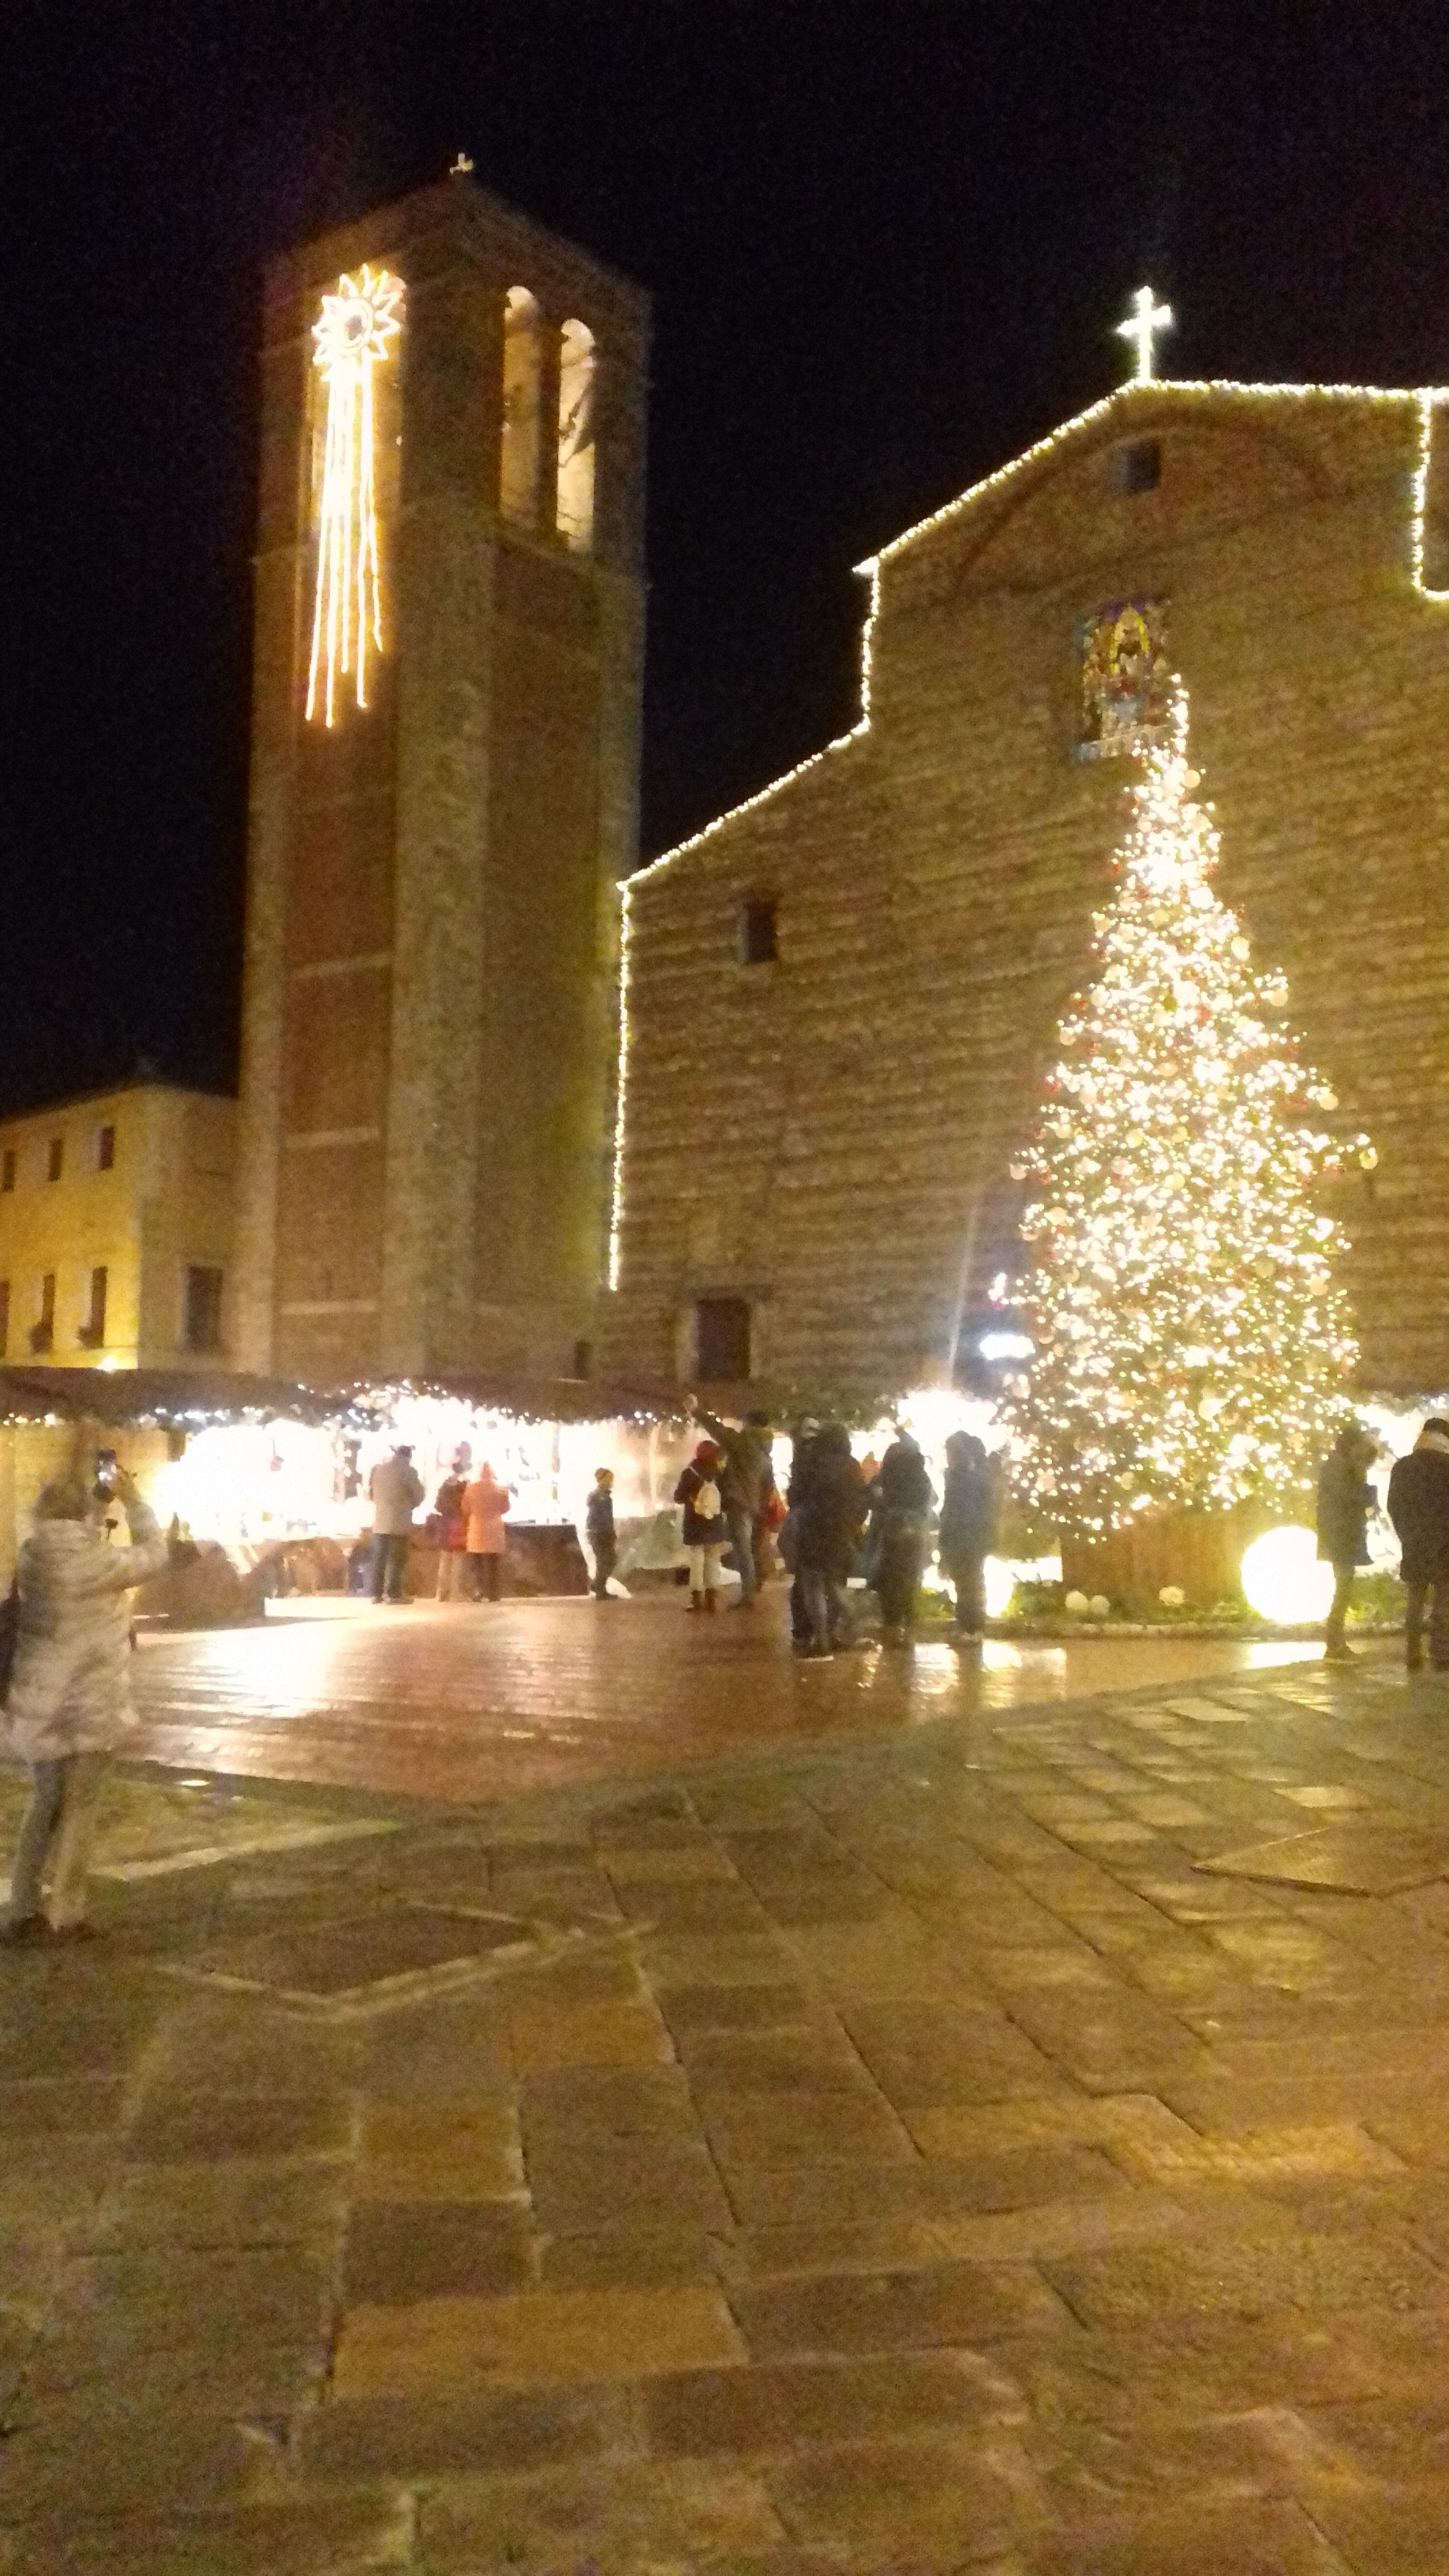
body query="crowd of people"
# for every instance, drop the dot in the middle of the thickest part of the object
(466, 1524)
(65, 1627)
(840, 1517)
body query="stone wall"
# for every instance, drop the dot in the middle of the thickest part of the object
(829, 1135)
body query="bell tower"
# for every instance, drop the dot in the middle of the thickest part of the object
(445, 752)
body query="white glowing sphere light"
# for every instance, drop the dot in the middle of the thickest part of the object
(1000, 1585)
(1283, 1579)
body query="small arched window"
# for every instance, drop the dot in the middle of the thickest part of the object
(519, 445)
(575, 510)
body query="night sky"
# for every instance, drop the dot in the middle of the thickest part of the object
(886, 245)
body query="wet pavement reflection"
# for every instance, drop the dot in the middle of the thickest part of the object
(463, 1701)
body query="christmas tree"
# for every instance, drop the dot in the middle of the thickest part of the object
(1192, 1346)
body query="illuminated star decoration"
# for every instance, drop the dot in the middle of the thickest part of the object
(355, 334)
(1141, 327)
(1192, 1345)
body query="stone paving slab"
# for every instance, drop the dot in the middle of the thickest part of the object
(1362, 1859)
(874, 2164)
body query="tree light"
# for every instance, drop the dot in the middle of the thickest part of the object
(1282, 1578)
(1192, 1347)
(355, 334)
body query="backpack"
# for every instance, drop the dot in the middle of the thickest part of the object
(705, 1504)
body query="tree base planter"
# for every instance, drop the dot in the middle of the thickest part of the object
(1199, 1552)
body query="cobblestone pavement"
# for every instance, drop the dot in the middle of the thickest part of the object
(474, 1702)
(926, 2151)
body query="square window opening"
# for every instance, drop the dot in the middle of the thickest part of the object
(1136, 466)
(722, 1340)
(106, 1150)
(759, 931)
(55, 1159)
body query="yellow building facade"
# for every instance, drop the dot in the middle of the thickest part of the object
(116, 1230)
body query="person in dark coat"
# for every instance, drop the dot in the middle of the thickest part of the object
(902, 1495)
(970, 1516)
(600, 1532)
(802, 1445)
(705, 1533)
(1419, 1509)
(1345, 1500)
(828, 1508)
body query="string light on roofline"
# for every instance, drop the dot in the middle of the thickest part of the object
(627, 886)
(1427, 399)
(1189, 388)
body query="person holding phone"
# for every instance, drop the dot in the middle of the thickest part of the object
(69, 1699)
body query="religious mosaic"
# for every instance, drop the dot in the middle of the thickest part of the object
(1126, 678)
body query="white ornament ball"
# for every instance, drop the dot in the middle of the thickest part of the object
(1078, 1604)
(1099, 1605)
(1172, 1596)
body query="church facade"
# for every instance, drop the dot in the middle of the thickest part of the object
(840, 1000)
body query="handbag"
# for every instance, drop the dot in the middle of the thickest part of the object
(9, 1637)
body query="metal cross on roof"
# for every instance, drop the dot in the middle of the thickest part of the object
(1141, 327)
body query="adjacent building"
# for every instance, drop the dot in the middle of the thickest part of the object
(445, 753)
(873, 955)
(116, 1230)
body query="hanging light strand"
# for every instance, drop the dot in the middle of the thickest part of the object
(354, 336)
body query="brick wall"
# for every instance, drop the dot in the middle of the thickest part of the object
(844, 1163)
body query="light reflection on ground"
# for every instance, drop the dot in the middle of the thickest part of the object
(465, 1701)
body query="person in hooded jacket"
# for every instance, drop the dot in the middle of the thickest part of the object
(747, 1485)
(970, 1516)
(706, 1534)
(828, 1508)
(1345, 1500)
(69, 1700)
(902, 1495)
(1418, 1506)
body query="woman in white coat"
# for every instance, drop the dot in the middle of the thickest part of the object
(69, 1700)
